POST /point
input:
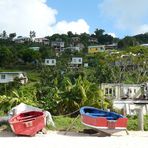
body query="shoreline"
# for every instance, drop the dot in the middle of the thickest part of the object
(56, 139)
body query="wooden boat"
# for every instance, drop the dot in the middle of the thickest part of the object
(102, 120)
(28, 123)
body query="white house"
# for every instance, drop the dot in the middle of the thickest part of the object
(44, 41)
(111, 46)
(118, 91)
(50, 62)
(128, 97)
(85, 65)
(145, 45)
(58, 45)
(77, 61)
(35, 48)
(93, 40)
(21, 39)
(6, 77)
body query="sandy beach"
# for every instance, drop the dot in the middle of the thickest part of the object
(55, 139)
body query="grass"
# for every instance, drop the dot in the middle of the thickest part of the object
(133, 123)
(63, 123)
(33, 76)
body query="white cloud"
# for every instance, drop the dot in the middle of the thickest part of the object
(142, 29)
(112, 34)
(21, 16)
(79, 26)
(125, 14)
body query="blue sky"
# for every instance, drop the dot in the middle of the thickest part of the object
(46, 17)
(97, 17)
(86, 9)
(75, 9)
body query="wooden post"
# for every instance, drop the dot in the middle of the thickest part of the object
(71, 124)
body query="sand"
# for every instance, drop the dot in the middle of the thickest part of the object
(55, 139)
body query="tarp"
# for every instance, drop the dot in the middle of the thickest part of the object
(22, 107)
(4, 119)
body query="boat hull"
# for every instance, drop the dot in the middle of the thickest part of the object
(103, 119)
(27, 123)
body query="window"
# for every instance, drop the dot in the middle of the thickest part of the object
(47, 61)
(79, 60)
(114, 92)
(106, 91)
(3, 76)
(101, 48)
(52, 61)
(74, 60)
(129, 90)
(110, 91)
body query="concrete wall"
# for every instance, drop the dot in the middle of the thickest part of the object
(130, 107)
(117, 91)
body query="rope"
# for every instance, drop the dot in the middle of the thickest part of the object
(69, 113)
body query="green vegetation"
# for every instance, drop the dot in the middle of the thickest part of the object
(62, 89)
(63, 123)
(133, 123)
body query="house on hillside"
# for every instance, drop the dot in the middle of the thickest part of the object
(50, 62)
(3, 37)
(144, 45)
(80, 45)
(111, 46)
(35, 48)
(76, 61)
(44, 41)
(93, 40)
(21, 40)
(6, 77)
(58, 45)
(96, 49)
(73, 48)
(127, 97)
(119, 91)
(75, 39)
(85, 65)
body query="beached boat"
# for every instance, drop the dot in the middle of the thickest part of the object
(101, 119)
(28, 123)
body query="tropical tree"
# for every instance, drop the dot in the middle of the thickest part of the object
(6, 56)
(12, 35)
(32, 34)
(127, 41)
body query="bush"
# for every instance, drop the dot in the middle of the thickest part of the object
(133, 123)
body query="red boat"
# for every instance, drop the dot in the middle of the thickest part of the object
(103, 120)
(28, 123)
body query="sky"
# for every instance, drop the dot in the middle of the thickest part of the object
(46, 17)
